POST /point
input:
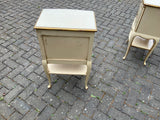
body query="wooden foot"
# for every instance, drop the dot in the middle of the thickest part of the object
(49, 86)
(86, 87)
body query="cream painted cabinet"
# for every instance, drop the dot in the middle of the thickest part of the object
(66, 38)
(145, 33)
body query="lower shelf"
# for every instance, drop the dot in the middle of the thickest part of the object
(67, 69)
(142, 43)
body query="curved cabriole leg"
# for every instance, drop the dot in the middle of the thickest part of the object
(89, 64)
(149, 53)
(131, 37)
(127, 40)
(129, 45)
(44, 63)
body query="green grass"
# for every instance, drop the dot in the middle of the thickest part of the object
(93, 96)
(1, 98)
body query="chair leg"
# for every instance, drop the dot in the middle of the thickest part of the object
(44, 63)
(89, 64)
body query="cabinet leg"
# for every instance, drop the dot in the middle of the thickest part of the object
(88, 73)
(150, 51)
(44, 63)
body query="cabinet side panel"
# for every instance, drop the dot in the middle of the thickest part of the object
(66, 47)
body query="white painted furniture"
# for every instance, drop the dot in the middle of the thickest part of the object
(66, 37)
(145, 31)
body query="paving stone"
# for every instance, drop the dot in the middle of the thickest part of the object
(10, 63)
(39, 70)
(83, 117)
(5, 110)
(107, 88)
(23, 61)
(21, 106)
(42, 89)
(5, 71)
(47, 113)
(155, 92)
(154, 103)
(51, 99)
(13, 93)
(15, 116)
(115, 114)
(8, 83)
(76, 110)
(153, 79)
(80, 94)
(22, 80)
(105, 103)
(99, 116)
(29, 69)
(28, 91)
(95, 79)
(147, 110)
(119, 100)
(31, 115)
(57, 86)
(90, 107)
(3, 91)
(133, 113)
(15, 72)
(36, 78)
(29, 53)
(71, 83)
(61, 112)
(66, 97)
(132, 97)
(36, 102)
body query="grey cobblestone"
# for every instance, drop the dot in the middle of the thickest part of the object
(117, 114)
(36, 102)
(47, 113)
(100, 116)
(66, 97)
(133, 113)
(8, 83)
(61, 112)
(21, 106)
(13, 93)
(146, 110)
(28, 91)
(105, 103)
(5, 110)
(22, 80)
(31, 115)
(76, 110)
(52, 100)
(15, 116)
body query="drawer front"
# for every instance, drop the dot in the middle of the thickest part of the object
(57, 47)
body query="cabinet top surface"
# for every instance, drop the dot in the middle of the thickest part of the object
(154, 3)
(66, 19)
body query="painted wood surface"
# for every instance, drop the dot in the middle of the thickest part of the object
(66, 19)
(155, 3)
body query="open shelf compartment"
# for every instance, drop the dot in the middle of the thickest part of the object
(142, 43)
(68, 69)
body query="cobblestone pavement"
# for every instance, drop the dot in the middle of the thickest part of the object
(118, 89)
